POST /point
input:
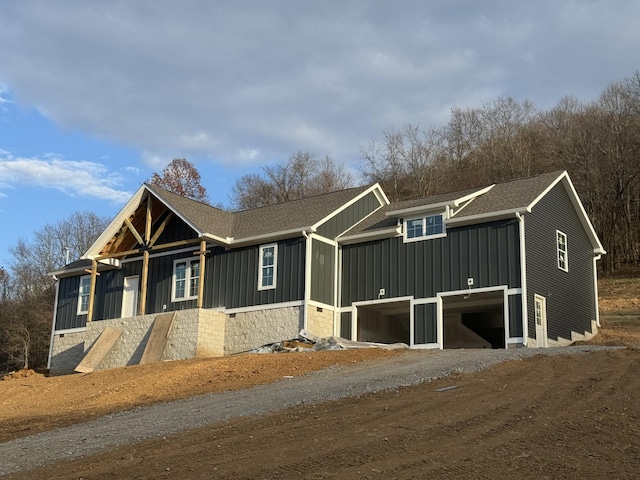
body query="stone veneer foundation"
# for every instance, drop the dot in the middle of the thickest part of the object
(194, 333)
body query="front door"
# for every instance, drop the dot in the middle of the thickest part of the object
(541, 321)
(130, 297)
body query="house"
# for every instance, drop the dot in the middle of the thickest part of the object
(506, 265)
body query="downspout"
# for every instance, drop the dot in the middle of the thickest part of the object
(595, 288)
(307, 279)
(53, 323)
(337, 273)
(523, 280)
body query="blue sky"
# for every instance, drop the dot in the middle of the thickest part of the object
(96, 96)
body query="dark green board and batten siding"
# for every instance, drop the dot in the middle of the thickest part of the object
(235, 276)
(231, 282)
(348, 217)
(488, 252)
(425, 321)
(322, 272)
(570, 296)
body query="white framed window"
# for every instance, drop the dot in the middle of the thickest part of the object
(83, 295)
(267, 269)
(563, 259)
(422, 228)
(186, 280)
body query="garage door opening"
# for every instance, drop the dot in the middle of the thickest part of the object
(386, 322)
(475, 321)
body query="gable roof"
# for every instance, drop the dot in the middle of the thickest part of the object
(228, 228)
(474, 205)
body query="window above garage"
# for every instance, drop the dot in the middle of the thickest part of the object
(424, 228)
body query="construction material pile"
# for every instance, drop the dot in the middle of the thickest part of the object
(309, 342)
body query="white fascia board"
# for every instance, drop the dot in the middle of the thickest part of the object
(294, 232)
(473, 195)
(456, 202)
(373, 188)
(368, 236)
(115, 224)
(63, 272)
(382, 197)
(419, 209)
(126, 211)
(225, 241)
(598, 249)
(486, 217)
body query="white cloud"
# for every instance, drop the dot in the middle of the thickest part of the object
(74, 178)
(249, 82)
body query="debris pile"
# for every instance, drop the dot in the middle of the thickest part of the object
(308, 341)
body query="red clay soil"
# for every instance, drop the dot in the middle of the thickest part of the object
(543, 417)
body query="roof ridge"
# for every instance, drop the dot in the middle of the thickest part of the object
(480, 187)
(363, 187)
(159, 189)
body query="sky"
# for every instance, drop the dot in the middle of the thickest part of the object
(97, 96)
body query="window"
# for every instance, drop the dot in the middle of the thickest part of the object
(83, 295)
(186, 280)
(563, 260)
(431, 226)
(268, 266)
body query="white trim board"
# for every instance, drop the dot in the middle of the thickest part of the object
(255, 308)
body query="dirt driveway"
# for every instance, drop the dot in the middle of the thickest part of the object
(574, 416)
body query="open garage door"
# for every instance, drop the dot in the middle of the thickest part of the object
(384, 322)
(474, 321)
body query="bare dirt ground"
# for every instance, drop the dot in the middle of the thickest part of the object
(543, 417)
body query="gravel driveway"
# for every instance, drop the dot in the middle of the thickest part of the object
(331, 384)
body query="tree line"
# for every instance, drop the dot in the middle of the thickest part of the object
(597, 142)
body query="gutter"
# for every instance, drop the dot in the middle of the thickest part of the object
(232, 241)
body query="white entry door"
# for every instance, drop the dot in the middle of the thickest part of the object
(541, 321)
(130, 297)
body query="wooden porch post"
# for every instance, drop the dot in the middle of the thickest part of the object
(203, 251)
(92, 289)
(145, 259)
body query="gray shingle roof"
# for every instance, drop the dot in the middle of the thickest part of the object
(285, 216)
(516, 194)
(512, 195)
(204, 217)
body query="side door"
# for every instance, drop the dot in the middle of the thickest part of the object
(541, 321)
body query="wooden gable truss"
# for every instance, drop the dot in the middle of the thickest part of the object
(139, 234)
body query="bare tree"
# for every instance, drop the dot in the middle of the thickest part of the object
(27, 291)
(404, 162)
(181, 177)
(303, 175)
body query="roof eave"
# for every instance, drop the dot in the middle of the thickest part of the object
(293, 232)
(455, 202)
(368, 236)
(485, 217)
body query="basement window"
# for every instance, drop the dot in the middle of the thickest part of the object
(423, 228)
(563, 260)
(186, 280)
(83, 295)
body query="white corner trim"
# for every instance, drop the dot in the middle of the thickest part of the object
(523, 275)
